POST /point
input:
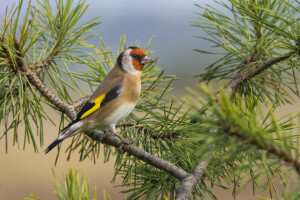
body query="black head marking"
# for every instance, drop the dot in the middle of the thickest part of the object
(133, 47)
(119, 61)
(137, 57)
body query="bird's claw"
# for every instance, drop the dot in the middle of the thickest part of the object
(105, 133)
(123, 142)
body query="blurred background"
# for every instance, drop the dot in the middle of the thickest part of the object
(24, 172)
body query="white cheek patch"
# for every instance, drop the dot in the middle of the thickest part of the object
(127, 63)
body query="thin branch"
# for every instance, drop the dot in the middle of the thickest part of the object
(33, 78)
(79, 103)
(188, 184)
(261, 145)
(41, 87)
(150, 132)
(251, 70)
(140, 154)
(39, 66)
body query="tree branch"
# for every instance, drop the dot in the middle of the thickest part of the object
(263, 146)
(188, 184)
(41, 87)
(142, 155)
(79, 103)
(251, 70)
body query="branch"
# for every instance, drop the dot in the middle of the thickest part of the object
(41, 87)
(25, 70)
(79, 103)
(142, 155)
(251, 70)
(263, 146)
(188, 184)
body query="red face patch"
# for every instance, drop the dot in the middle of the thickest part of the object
(137, 66)
(136, 63)
(139, 52)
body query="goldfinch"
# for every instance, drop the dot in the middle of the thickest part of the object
(113, 100)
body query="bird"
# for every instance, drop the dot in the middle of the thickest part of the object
(113, 100)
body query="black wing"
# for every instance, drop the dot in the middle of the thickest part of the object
(112, 94)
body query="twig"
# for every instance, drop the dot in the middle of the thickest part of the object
(41, 87)
(187, 180)
(263, 146)
(79, 103)
(251, 70)
(142, 155)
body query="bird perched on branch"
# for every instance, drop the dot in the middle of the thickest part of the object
(113, 100)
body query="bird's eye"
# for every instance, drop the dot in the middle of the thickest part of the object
(134, 56)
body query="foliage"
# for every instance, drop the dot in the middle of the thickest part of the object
(73, 188)
(249, 140)
(243, 135)
(44, 34)
(246, 34)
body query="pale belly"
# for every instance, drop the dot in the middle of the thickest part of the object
(120, 113)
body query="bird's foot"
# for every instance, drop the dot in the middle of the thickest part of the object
(105, 133)
(123, 142)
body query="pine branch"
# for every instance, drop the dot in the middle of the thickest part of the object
(189, 183)
(140, 154)
(42, 88)
(79, 103)
(32, 77)
(261, 145)
(251, 70)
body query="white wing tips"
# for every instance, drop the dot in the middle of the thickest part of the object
(72, 130)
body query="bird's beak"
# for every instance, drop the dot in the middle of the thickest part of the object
(146, 60)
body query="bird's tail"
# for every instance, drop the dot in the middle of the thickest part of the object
(70, 130)
(52, 145)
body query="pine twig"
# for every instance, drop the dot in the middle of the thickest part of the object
(251, 70)
(263, 146)
(42, 88)
(140, 154)
(79, 103)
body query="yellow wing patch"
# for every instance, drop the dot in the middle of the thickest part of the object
(98, 101)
